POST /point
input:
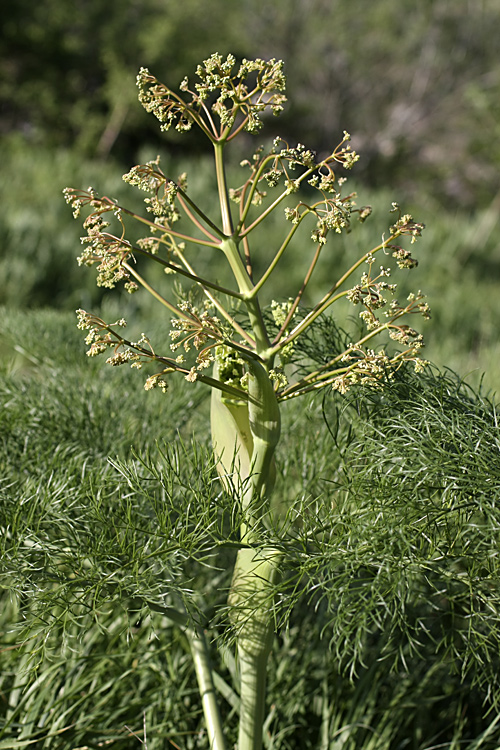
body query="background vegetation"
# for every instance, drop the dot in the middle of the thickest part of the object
(418, 87)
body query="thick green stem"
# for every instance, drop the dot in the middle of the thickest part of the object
(230, 249)
(257, 568)
(265, 426)
(201, 659)
(248, 434)
(231, 438)
(251, 602)
(245, 436)
(253, 671)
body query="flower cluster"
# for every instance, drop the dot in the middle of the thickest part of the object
(255, 86)
(234, 94)
(158, 99)
(370, 293)
(276, 168)
(157, 381)
(405, 225)
(231, 367)
(273, 177)
(150, 178)
(334, 214)
(344, 154)
(297, 156)
(77, 199)
(368, 367)
(407, 336)
(102, 337)
(403, 257)
(104, 248)
(198, 329)
(226, 99)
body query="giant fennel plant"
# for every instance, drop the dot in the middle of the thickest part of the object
(224, 335)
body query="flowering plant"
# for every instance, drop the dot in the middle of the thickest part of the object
(248, 354)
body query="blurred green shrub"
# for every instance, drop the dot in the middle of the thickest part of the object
(418, 85)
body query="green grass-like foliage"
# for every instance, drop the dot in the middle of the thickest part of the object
(393, 562)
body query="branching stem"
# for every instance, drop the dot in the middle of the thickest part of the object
(156, 227)
(227, 221)
(173, 309)
(190, 273)
(329, 298)
(267, 273)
